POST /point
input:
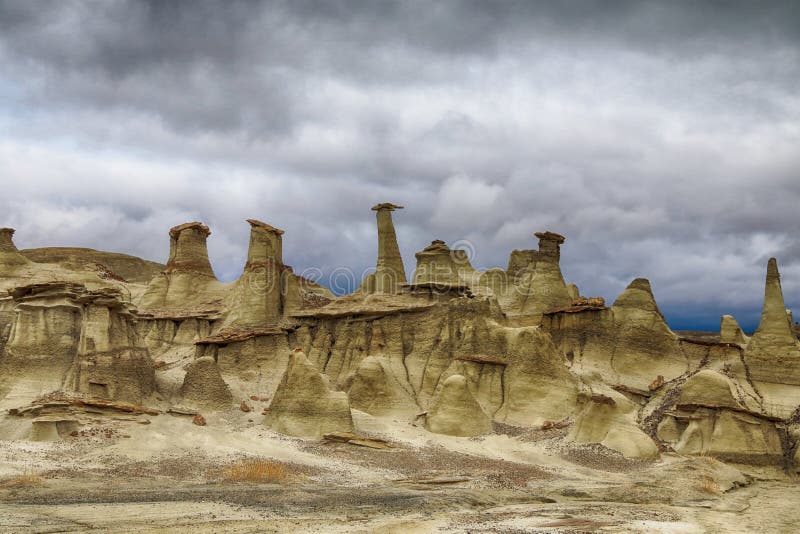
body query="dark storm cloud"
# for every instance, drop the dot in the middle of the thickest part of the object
(660, 137)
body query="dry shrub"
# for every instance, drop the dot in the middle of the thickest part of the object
(27, 480)
(708, 485)
(255, 471)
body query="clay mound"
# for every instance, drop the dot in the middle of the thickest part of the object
(455, 412)
(376, 390)
(730, 331)
(129, 268)
(304, 405)
(203, 386)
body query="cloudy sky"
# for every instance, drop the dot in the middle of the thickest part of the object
(661, 138)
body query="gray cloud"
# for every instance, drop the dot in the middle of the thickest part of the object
(660, 138)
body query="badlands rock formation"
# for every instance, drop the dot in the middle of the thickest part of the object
(455, 351)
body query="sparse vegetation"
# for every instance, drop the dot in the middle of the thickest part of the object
(708, 485)
(256, 471)
(27, 480)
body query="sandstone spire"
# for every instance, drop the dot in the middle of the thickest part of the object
(257, 295)
(389, 272)
(9, 255)
(188, 250)
(774, 334)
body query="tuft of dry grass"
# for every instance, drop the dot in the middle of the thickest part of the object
(708, 485)
(28, 480)
(255, 471)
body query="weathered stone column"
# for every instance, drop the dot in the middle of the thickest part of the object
(188, 250)
(390, 273)
(9, 255)
(260, 285)
(774, 335)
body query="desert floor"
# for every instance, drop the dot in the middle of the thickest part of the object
(164, 474)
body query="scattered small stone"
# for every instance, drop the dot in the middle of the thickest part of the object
(199, 420)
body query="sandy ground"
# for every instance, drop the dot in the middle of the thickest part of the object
(168, 475)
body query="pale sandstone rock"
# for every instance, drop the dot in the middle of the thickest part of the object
(257, 296)
(710, 389)
(455, 412)
(772, 355)
(376, 390)
(304, 404)
(536, 280)
(574, 292)
(390, 274)
(731, 436)
(609, 418)
(439, 266)
(730, 331)
(188, 279)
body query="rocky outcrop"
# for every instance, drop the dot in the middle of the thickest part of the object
(203, 386)
(111, 363)
(730, 331)
(440, 267)
(628, 344)
(472, 351)
(390, 274)
(536, 283)
(455, 412)
(10, 257)
(188, 279)
(257, 296)
(376, 390)
(774, 335)
(609, 418)
(772, 356)
(304, 405)
(110, 264)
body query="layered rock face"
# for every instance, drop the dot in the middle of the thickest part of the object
(83, 340)
(473, 352)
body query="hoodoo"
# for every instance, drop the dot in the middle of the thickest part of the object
(257, 295)
(774, 334)
(537, 283)
(439, 266)
(188, 250)
(188, 280)
(390, 273)
(9, 255)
